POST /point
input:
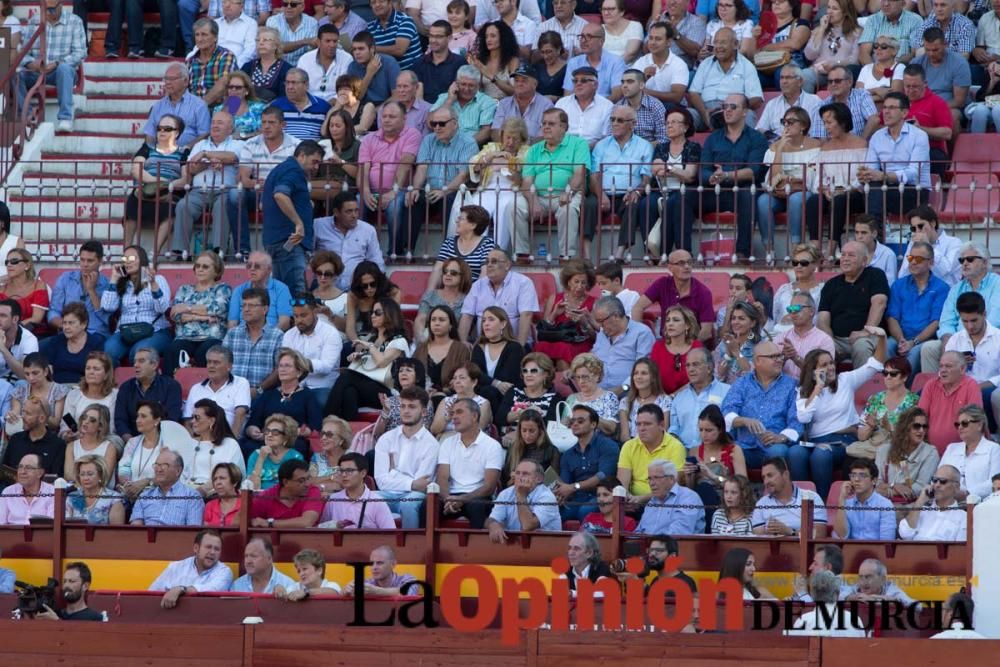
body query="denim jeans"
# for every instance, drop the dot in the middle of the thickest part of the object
(767, 206)
(116, 347)
(913, 356)
(63, 77)
(132, 9)
(576, 512)
(237, 210)
(819, 461)
(188, 10)
(168, 26)
(289, 265)
(409, 505)
(395, 218)
(755, 457)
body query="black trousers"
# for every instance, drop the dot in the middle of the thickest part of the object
(352, 391)
(476, 513)
(832, 216)
(196, 349)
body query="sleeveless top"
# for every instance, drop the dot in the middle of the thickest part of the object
(726, 462)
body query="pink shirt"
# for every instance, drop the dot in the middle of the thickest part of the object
(15, 510)
(377, 514)
(376, 151)
(942, 409)
(815, 339)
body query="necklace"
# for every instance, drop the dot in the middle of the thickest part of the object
(143, 462)
(288, 396)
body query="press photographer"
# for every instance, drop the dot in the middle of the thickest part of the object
(75, 584)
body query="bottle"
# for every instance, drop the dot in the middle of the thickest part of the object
(543, 252)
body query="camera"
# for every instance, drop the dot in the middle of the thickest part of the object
(617, 565)
(32, 600)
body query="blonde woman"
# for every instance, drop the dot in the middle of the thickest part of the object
(280, 432)
(587, 371)
(96, 386)
(805, 262)
(267, 71)
(335, 439)
(94, 423)
(24, 286)
(92, 500)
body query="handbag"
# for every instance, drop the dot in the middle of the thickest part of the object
(567, 332)
(560, 435)
(134, 332)
(767, 62)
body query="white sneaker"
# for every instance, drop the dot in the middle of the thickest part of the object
(64, 126)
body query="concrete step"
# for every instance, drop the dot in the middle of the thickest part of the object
(72, 190)
(149, 87)
(101, 165)
(69, 211)
(121, 127)
(84, 145)
(123, 68)
(44, 231)
(125, 104)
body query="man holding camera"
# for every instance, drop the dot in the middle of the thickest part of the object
(75, 584)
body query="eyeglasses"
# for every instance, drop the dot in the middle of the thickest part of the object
(452, 272)
(52, 10)
(891, 373)
(730, 107)
(586, 36)
(438, 123)
(836, 81)
(348, 471)
(965, 423)
(894, 107)
(495, 262)
(377, 313)
(789, 121)
(292, 4)
(202, 265)
(369, 285)
(328, 434)
(196, 417)
(772, 357)
(968, 260)
(801, 262)
(531, 371)
(13, 262)
(324, 274)
(916, 259)
(28, 468)
(583, 378)
(682, 262)
(165, 128)
(918, 227)
(615, 119)
(794, 308)
(656, 550)
(274, 431)
(941, 480)
(880, 47)
(918, 426)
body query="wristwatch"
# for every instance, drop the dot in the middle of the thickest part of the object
(270, 523)
(577, 486)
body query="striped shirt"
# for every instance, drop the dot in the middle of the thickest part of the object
(475, 259)
(179, 506)
(143, 307)
(252, 8)
(397, 26)
(304, 124)
(257, 156)
(253, 360)
(306, 30)
(721, 525)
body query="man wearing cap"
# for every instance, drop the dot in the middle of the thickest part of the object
(608, 66)
(589, 113)
(525, 104)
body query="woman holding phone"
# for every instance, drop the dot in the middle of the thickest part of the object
(142, 298)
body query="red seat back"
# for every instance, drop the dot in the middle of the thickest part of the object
(411, 283)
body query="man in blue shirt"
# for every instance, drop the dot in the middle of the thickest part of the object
(288, 210)
(701, 391)
(915, 304)
(868, 514)
(620, 342)
(85, 286)
(609, 66)
(168, 501)
(378, 72)
(898, 153)
(304, 113)
(352, 239)
(6, 580)
(594, 457)
(261, 574)
(760, 408)
(673, 509)
(279, 306)
(395, 34)
(733, 155)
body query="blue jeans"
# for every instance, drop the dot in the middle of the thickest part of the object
(116, 347)
(289, 266)
(133, 18)
(168, 26)
(395, 218)
(981, 116)
(238, 214)
(767, 206)
(913, 356)
(188, 10)
(576, 512)
(63, 77)
(755, 457)
(818, 463)
(409, 505)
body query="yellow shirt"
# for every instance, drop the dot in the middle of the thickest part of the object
(636, 457)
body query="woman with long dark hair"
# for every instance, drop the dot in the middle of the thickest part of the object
(740, 564)
(717, 457)
(530, 442)
(906, 465)
(495, 56)
(368, 285)
(441, 352)
(498, 355)
(214, 444)
(644, 387)
(143, 297)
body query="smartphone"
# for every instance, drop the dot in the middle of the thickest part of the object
(930, 492)
(70, 423)
(121, 270)
(822, 377)
(692, 460)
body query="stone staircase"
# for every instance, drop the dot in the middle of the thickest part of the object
(76, 189)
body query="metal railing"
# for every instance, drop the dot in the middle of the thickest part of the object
(18, 127)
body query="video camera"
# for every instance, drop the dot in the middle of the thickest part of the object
(32, 599)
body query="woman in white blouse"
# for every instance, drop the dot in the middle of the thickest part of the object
(621, 36)
(825, 406)
(976, 457)
(883, 74)
(143, 299)
(735, 15)
(833, 42)
(214, 444)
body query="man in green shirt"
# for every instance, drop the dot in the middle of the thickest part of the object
(557, 167)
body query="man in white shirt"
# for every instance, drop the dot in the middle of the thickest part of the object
(406, 458)
(609, 281)
(589, 113)
(213, 163)
(195, 574)
(469, 465)
(487, 11)
(667, 74)
(565, 22)
(525, 29)
(17, 341)
(936, 515)
(791, 96)
(924, 226)
(237, 31)
(230, 392)
(958, 612)
(824, 587)
(317, 341)
(325, 63)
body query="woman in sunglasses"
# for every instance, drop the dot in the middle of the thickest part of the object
(369, 285)
(884, 74)
(94, 423)
(537, 375)
(825, 407)
(280, 433)
(334, 439)
(883, 409)
(907, 463)
(976, 457)
(326, 267)
(645, 387)
(199, 313)
(246, 115)
(805, 261)
(739, 335)
(24, 286)
(680, 336)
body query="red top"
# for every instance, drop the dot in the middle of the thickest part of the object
(596, 523)
(213, 513)
(941, 408)
(673, 368)
(38, 297)
(727, 457)
(931, 111)
(267, 506)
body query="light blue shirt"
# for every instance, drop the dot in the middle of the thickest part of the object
(769, 507)
(307, 29)
(686, 407)
(353, 246)
(69, 289)
(445, 161)
(662, 516)
(185, 573)
(190, 108)
(620, 354)
(6, 580)
(622, 167)
(989, 288)
(277, 291)
(714, 84)
(609, 71)
(245, 585)
(181, 505)
(876, 521)
(547, 511)
(908, 156)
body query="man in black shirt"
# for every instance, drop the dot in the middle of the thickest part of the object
(36, 439)
(662, 547)
(75, 584)
(851, 301)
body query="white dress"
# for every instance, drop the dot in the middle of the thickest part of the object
(497, 196)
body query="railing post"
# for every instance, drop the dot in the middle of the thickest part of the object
(805, 534)
(58, 531)
(431, 533)
(617, 522)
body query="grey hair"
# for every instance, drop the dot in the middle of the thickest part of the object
(891, 40)
(539, 470)
(805, 296)
(668, 467)
(471, 404)
(611, 305)
(154, 355)
(180, 69)
(880, 568)
(706, 355)
(223, 350)
(958, 356)
(207, 23)
(448, 109)
(862, 249)
(824, 586)
(793, 69)
(411, 75)
(296, 70)
(978, 248)
(848, 74)
(590, 542)
(975, 412)
(178, 459)
(925, 245)
(468, 72)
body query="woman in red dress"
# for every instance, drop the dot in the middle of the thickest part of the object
(680, 336)
(23, 286)
(572, 305)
